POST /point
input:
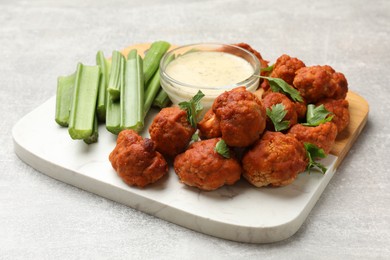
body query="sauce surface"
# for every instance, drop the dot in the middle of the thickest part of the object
(209, 69)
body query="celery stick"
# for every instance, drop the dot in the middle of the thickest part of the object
(93, 138)
(113, 115)
(162, 100)
(153, 87)
(132, 94)
(113, 111)
(153, 57)
(104, 78)
(64, 99)
(82, 113)
(114, 82)
(151, 91)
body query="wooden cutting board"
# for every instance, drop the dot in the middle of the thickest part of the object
(358, 108)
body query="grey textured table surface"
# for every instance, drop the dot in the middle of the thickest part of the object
(41, 218)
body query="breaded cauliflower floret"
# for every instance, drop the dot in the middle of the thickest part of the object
(202, 167)
(241, 117)
(319, 82)
(323, 136)
(209, 126)
(339, 110)
(284, 68)
(171, 131)
(275, 160)
(136, 161)
(274, 98)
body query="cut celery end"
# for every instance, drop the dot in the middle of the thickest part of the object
(93, 138)
(79, 133)
(162, 100)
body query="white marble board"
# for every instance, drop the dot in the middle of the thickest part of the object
(239, 212)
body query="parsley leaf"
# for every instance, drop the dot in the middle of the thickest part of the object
(313, 152)
(222, 148)
(279, 85)
(195, 137)
(193, 108)
(317, 115)
(276, 114)
(268, 69)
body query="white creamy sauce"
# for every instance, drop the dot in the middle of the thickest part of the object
(209, 69)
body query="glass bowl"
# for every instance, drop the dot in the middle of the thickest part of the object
(179, 91)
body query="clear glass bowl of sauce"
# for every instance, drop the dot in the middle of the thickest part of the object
(210, 67)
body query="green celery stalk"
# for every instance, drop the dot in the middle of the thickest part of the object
(64, 98)
(132, 94)
(104, 65)
(152, 58)
(153, 87)
(114, 82)
(113, 115)
(151, 91)
(113, 108)
(162, 100)
(83, 109)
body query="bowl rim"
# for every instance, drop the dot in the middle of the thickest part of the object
(165, 76)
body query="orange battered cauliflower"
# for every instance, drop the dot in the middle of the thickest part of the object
(319, 82)
(285, 68)
(274, 98)
(323, 135)
(275, 160)
(202, 167)
(339, 110)
(136, 161)
(171, 131)
(238, 114)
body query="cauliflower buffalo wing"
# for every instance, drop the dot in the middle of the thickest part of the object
(171, 131)
(284, 68)
(274, 98)
(239, 116)
(339, 110)
(275, 160)
(202, 167)
(209, 126)
(319, 82)
(136, 161)
(323, 135)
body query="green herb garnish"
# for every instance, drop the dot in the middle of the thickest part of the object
(276, 114)
(222, 148)
(195, 137)
(193, 108)
(314, 152)
(279, 85)
(268, 69)
(317, 115)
